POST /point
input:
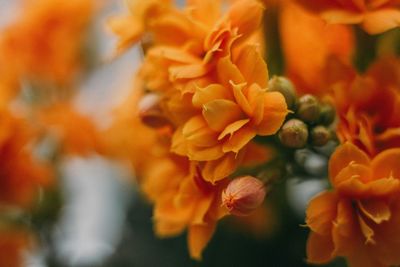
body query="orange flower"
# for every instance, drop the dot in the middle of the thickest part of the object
(375, 16)
(13, 244)
(46, 41)
(74, 132)
(367, 104)
(307, 44)
(185, 44)
(182, 199)
(21, 175)
(360, 219)
(231, 112)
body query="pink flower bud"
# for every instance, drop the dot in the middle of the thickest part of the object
(243, 195)
(150, 111)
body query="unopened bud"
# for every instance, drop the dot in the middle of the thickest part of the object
(285, 87)
(327, 114)
(308, 108)
(150, 111)
(243, 195)
(320, 135)
(294, 134)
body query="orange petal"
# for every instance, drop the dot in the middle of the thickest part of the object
(377, 210)
(241, 98)
(321, 212)
(187, 71)
(198, 238)
(205, 153)
(353, 171)
(220, 113)
(179, 143)
(232, 128)
(252, 66)
(319, 248)
(366, 230)
(197, 132)
(202, 207)
(221, 168)
(228, 72)
(212, 92)
(275, 111)
(381, 20)
(387, 164)
(239, 139)
(246, 15)
(343, 156)
(129, 30)
(165, 229)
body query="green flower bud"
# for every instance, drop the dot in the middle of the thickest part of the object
(328, 114)
(285, 87)
(309, 109)
(320, 135)
(294, 134)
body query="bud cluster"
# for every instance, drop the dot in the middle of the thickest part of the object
(310, 122)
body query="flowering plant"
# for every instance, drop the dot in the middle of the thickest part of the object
(231, 101)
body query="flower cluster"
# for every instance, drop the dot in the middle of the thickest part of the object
(206, 97)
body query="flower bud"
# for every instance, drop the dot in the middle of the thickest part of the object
(308, 109)
(285, 87)
(320, 135)
(327, 114)
(294, 134)
(243, 195)
(150, 111)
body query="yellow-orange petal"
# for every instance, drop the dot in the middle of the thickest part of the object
(187, 71)
(220, 113)
(205, 153)
(221, 168)
(343, 156)
(246, 15)
(238, 140)
(375, 209)
(319, 248)
(275, 111)
(197, 132)
(241, 99)
(387, 164)
(381, 20)
(165, 229)
(129, 30)
(232, 128)
(198, 238)
(357, 171)
(212, 92)
(321, 212)
(228, 72)
(252, 66)
(353, 187)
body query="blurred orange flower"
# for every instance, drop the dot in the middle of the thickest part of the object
(46, 40)
(13, 244)
(21, 175)
(75, 133)
(367, 104)
(305, 34)
(360, 218)
(374, 16)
